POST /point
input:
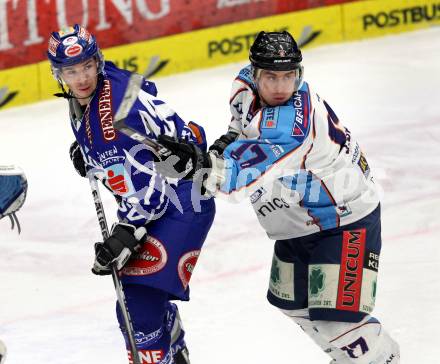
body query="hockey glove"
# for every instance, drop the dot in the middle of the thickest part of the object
(125, 239)
(221, 143)
(186, 159)
(77, 159)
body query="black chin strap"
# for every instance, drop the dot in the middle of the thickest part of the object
(68, 96)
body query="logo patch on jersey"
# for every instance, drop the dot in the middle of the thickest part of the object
(277, 150)
(148, 339)
(105, 111)
(257, 195)
(363, 165)
(73, 50)
(110, 156)
(350, 275)
(270, 118)
(297, 131)
(186, 265)
(301, 120)
(116, 180)
(316, 280)
(343, 210)
(150, 259)
(371, 261)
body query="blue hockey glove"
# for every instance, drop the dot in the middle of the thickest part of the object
(125, 239)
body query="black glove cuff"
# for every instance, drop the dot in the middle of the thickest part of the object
(221, 143)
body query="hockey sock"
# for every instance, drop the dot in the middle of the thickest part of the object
(364, 342)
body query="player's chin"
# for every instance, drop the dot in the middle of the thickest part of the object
(84, 93)
(277, 102)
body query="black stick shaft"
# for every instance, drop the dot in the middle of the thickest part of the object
(116, 281)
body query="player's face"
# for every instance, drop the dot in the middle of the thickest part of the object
(276, 87)
(81, 79)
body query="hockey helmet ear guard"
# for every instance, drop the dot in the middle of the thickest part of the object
(70, 46)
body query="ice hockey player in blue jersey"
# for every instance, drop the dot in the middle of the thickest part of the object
(313, 192)
(160, 232)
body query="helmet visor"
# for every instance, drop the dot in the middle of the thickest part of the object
(88, 69)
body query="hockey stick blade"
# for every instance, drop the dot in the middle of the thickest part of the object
(130, 97)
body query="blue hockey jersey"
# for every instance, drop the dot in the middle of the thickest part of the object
(124, 165)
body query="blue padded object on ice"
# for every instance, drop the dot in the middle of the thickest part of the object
(10, 189)
(12, 196)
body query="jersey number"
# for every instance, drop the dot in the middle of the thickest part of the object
(257, 157)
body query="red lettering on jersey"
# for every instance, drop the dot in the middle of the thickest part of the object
(350, 275)
(105, 111)
(147, 356)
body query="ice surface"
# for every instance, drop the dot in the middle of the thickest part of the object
(53, 310)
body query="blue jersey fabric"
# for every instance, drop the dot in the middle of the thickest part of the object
(177, 218)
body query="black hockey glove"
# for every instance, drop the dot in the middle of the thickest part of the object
(77, 159)
(185, 161)
(221, 143)
(124, 240)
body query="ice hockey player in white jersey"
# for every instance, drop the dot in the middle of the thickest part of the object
(13, 187)
(313, 192)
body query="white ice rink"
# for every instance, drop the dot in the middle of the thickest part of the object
(54, 311)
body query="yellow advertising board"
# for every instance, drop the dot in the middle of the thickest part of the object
(19, 86)
(230, 43)
(374, 18)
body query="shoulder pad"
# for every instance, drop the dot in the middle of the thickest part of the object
(246, 76)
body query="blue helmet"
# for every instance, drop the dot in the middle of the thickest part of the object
(70, 46)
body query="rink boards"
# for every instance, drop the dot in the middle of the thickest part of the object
(230, 43)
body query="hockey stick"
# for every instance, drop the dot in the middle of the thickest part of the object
(130, 97)
(116, 281)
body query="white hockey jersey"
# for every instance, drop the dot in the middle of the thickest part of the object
(302, 169)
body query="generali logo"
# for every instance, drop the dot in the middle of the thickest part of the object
(105, 111)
